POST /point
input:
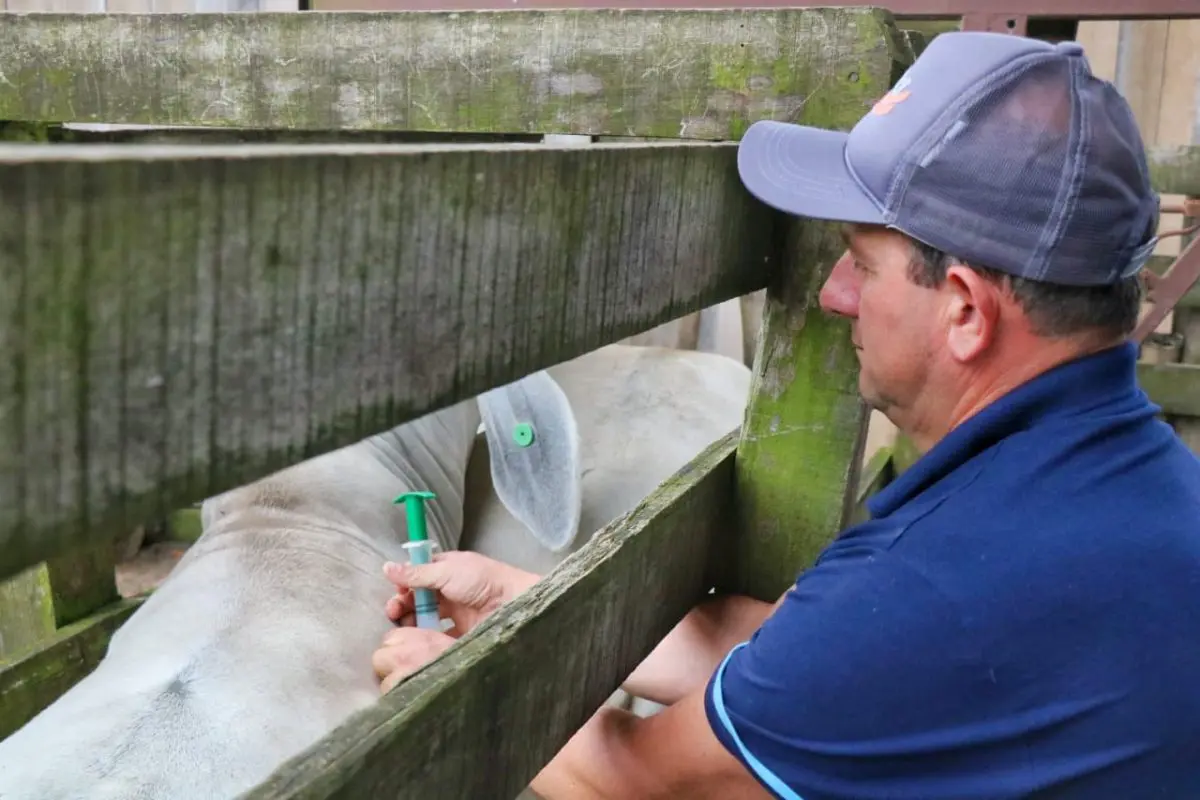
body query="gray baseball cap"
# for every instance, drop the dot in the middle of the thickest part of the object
(1001, 150)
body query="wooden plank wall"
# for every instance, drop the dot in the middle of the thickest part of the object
(850, 54)
(52, 596)
(853, 69)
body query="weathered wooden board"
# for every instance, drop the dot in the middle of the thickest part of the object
(1159, 265)
(483, 719)
(876, 474)
(704, 74)
(798, 461)
(47, 596)
(801, 448)
(1175, 169)
(26, 611)
(37, 678)
(177, 321)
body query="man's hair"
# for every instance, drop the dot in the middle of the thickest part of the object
(1054, 310)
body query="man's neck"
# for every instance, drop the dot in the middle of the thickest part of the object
(983, 385)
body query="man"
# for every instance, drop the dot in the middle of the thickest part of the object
(1020, 616)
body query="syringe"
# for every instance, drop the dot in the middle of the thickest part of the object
(420, 551)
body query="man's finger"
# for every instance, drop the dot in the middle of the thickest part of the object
(417, 576)
(404, 651)
(399, 605)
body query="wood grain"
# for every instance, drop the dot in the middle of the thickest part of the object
(1174, 387)
(1175, 169)
(179, 320)
(692, 74)
(39, 676)
(801, 448)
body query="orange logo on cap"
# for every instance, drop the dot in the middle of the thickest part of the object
(889, 101)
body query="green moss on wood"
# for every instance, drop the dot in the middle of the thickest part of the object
(187, 319)
(26, 611)
(30, 132)
(1175, 169)
(507, 696)
(37, 678)
(1175, 387)
(801, 444)
(876, 474)
(184, 525)
(799, 455)
(47, 596)
(702, 74)
(82, 580)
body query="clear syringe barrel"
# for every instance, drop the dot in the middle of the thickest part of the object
(424, 600)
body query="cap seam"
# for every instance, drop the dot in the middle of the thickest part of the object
(899, 185)
(887, 215)
(967, 100)
(1070, 182)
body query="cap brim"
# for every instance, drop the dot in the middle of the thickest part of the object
(802, 171)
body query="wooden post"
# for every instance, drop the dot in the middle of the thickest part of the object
(1186, 326)
(51, 595)
(799, 455)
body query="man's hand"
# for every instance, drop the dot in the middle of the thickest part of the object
(404, 651)
(470, 587)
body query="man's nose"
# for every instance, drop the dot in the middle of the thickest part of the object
(839, 295)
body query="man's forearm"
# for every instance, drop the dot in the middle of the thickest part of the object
(687, 656)
(594, 764)
(617, 755)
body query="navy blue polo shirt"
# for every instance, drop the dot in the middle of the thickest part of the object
(1019, 618)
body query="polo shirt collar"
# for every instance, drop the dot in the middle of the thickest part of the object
(1067, 389)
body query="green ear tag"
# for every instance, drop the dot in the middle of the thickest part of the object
(523, 434)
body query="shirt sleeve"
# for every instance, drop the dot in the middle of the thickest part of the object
(836, 695)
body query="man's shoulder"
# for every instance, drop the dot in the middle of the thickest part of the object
(1076, 473)
(1059, 512)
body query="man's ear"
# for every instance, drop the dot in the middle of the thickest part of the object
(533, 444)
(973, 312)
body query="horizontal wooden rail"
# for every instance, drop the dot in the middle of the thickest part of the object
(695, 74)
(1175, 169)
(1158, 265)
(38, 677)
(484, 718)
(1175, 387)
(177, 321)
(904, 9)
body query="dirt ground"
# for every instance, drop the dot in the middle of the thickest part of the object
(149, 567)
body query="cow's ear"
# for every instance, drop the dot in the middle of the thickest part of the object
(533, 442)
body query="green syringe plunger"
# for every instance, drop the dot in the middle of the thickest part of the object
(414, 508)
(420, 551)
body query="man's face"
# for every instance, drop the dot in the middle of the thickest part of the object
(893, 320)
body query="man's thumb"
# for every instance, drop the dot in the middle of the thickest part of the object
(416, 576)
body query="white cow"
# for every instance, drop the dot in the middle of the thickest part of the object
(259, 641)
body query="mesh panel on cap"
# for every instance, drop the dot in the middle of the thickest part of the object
(989, 190)
(1116, 209)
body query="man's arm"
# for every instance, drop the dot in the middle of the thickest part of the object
(674, 753)
(687, 656)
(863, 684)
(671, 754)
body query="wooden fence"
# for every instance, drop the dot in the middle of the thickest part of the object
(163, 344)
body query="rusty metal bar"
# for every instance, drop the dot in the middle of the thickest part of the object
(1016, 24)
(1167, 290)
(913, 9)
